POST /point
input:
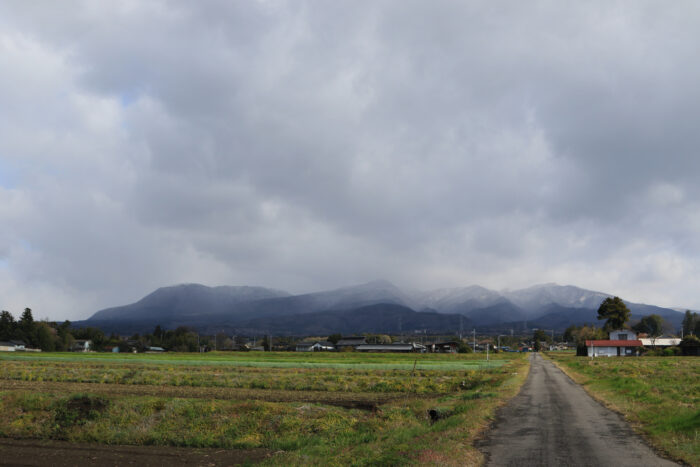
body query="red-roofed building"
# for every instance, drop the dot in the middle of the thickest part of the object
(621, 343)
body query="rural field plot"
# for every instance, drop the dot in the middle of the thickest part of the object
(660, 396)
(335, 408)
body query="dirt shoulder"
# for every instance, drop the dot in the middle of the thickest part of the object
(63, 454)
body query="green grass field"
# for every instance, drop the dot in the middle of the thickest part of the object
(660, 396)
(313, 408)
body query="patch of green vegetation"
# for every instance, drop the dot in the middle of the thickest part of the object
(660, 395)
(77, 410)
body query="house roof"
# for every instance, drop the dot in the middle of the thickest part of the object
(386, 347)
(351, 341)
(609, 343)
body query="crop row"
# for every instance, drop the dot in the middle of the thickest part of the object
(297, 379)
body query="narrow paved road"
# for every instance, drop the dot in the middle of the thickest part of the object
(553, 422)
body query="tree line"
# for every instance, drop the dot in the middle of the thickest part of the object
(44, 335)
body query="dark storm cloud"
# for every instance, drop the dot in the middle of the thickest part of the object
(304, 145)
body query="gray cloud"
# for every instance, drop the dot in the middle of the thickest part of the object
(304, 145)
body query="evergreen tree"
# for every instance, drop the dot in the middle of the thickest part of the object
(7, 325)
(615, 312)
(28, 327)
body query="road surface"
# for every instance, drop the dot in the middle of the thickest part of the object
(554, 422)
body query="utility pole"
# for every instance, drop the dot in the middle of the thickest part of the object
(474, 339)
(499, 340)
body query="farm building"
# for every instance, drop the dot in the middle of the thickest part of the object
(315, 346)
(7, 347)
(12, 346)
(396, 347)
(621, 343)
(661, 342)
(446, 347)
(352, 341)
(16, 345)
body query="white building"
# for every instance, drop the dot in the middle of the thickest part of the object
(621, 343)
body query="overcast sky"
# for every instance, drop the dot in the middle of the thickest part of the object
(310, 145)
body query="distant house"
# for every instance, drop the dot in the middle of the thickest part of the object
(154, 349)
(396, 347)
(316, 346)
(352, 341)
(621, 343)
(81, 345)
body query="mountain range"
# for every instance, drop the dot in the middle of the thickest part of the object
(377, 306)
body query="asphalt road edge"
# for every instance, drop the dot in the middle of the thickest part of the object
(636, 427)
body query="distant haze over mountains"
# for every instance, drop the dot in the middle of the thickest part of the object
(377, 306)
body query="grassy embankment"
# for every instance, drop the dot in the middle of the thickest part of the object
(358, 409)
(660, 396)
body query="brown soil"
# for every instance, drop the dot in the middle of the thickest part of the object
(63, 454)
(365, 401)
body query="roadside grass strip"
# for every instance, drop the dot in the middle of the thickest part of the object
(660, 396)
